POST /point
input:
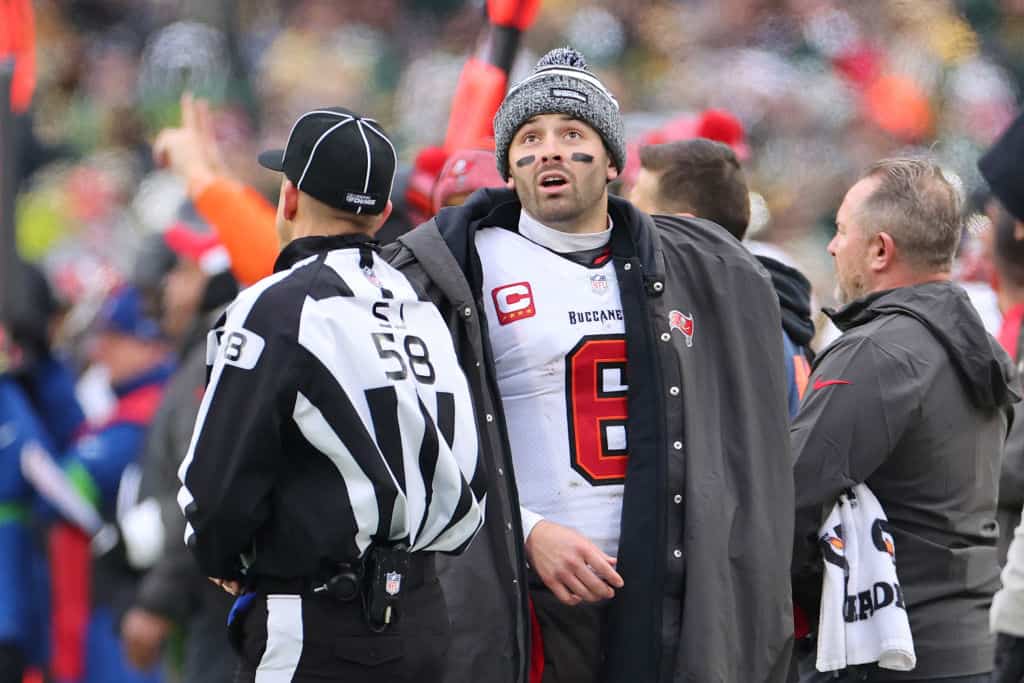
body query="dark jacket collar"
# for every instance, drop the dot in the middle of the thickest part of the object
(794, 291)
(945, 311)
(304, 247)
(501, 207)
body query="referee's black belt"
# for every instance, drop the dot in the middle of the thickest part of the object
(422, 569)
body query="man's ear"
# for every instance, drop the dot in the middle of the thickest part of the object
(510, 183)
(881, 251)
(613, 171)
(290, 195)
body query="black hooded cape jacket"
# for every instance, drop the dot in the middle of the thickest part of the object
(709, 473)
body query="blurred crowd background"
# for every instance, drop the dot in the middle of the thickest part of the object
(807, 92)
(821, 87)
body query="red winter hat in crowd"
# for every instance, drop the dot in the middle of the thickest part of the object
(466, 171)
(723, 126)
(202, 248)
(714, 124)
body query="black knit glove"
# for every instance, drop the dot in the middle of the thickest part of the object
(1009, 664)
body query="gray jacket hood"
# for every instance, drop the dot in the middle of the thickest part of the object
(987, 374)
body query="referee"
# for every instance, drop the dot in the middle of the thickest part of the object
(335, 450)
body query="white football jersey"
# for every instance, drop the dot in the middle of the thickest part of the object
(557, 334)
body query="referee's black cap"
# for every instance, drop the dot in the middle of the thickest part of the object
(340, 158)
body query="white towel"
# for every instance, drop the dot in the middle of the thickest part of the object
(863, 614)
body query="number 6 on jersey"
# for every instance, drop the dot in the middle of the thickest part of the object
(596, 401)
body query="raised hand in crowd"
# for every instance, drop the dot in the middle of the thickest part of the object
(191, 150)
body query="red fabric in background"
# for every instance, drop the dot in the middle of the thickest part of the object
(536, 648)
(801, 627)
(1009, 333)
(139, 406)
(18, 39)
(70, 576)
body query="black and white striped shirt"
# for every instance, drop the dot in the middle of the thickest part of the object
(336, 414)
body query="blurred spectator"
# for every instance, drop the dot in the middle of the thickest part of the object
(89, 594)
(813, 92)
(421, 181)
(238, 214)
(37, 406)
(465, 172)
(1004, 171)
(1008, 248)
(173, 592)
(713, 124)
(1005, 244)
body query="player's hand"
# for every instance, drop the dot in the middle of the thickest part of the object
(574, 569)
(232, 587)
(143, 634)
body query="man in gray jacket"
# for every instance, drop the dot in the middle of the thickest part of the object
(913, 400)
(635, 437)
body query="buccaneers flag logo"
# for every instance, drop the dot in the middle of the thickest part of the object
(678, 320)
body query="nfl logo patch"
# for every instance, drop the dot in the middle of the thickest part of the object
(392, 583)
(371, 276)
(598, 284)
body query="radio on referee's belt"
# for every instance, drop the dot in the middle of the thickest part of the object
(378, 579)
(385, 570)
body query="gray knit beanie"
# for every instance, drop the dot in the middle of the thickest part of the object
(561, 83)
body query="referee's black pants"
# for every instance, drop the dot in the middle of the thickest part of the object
(288, 638)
